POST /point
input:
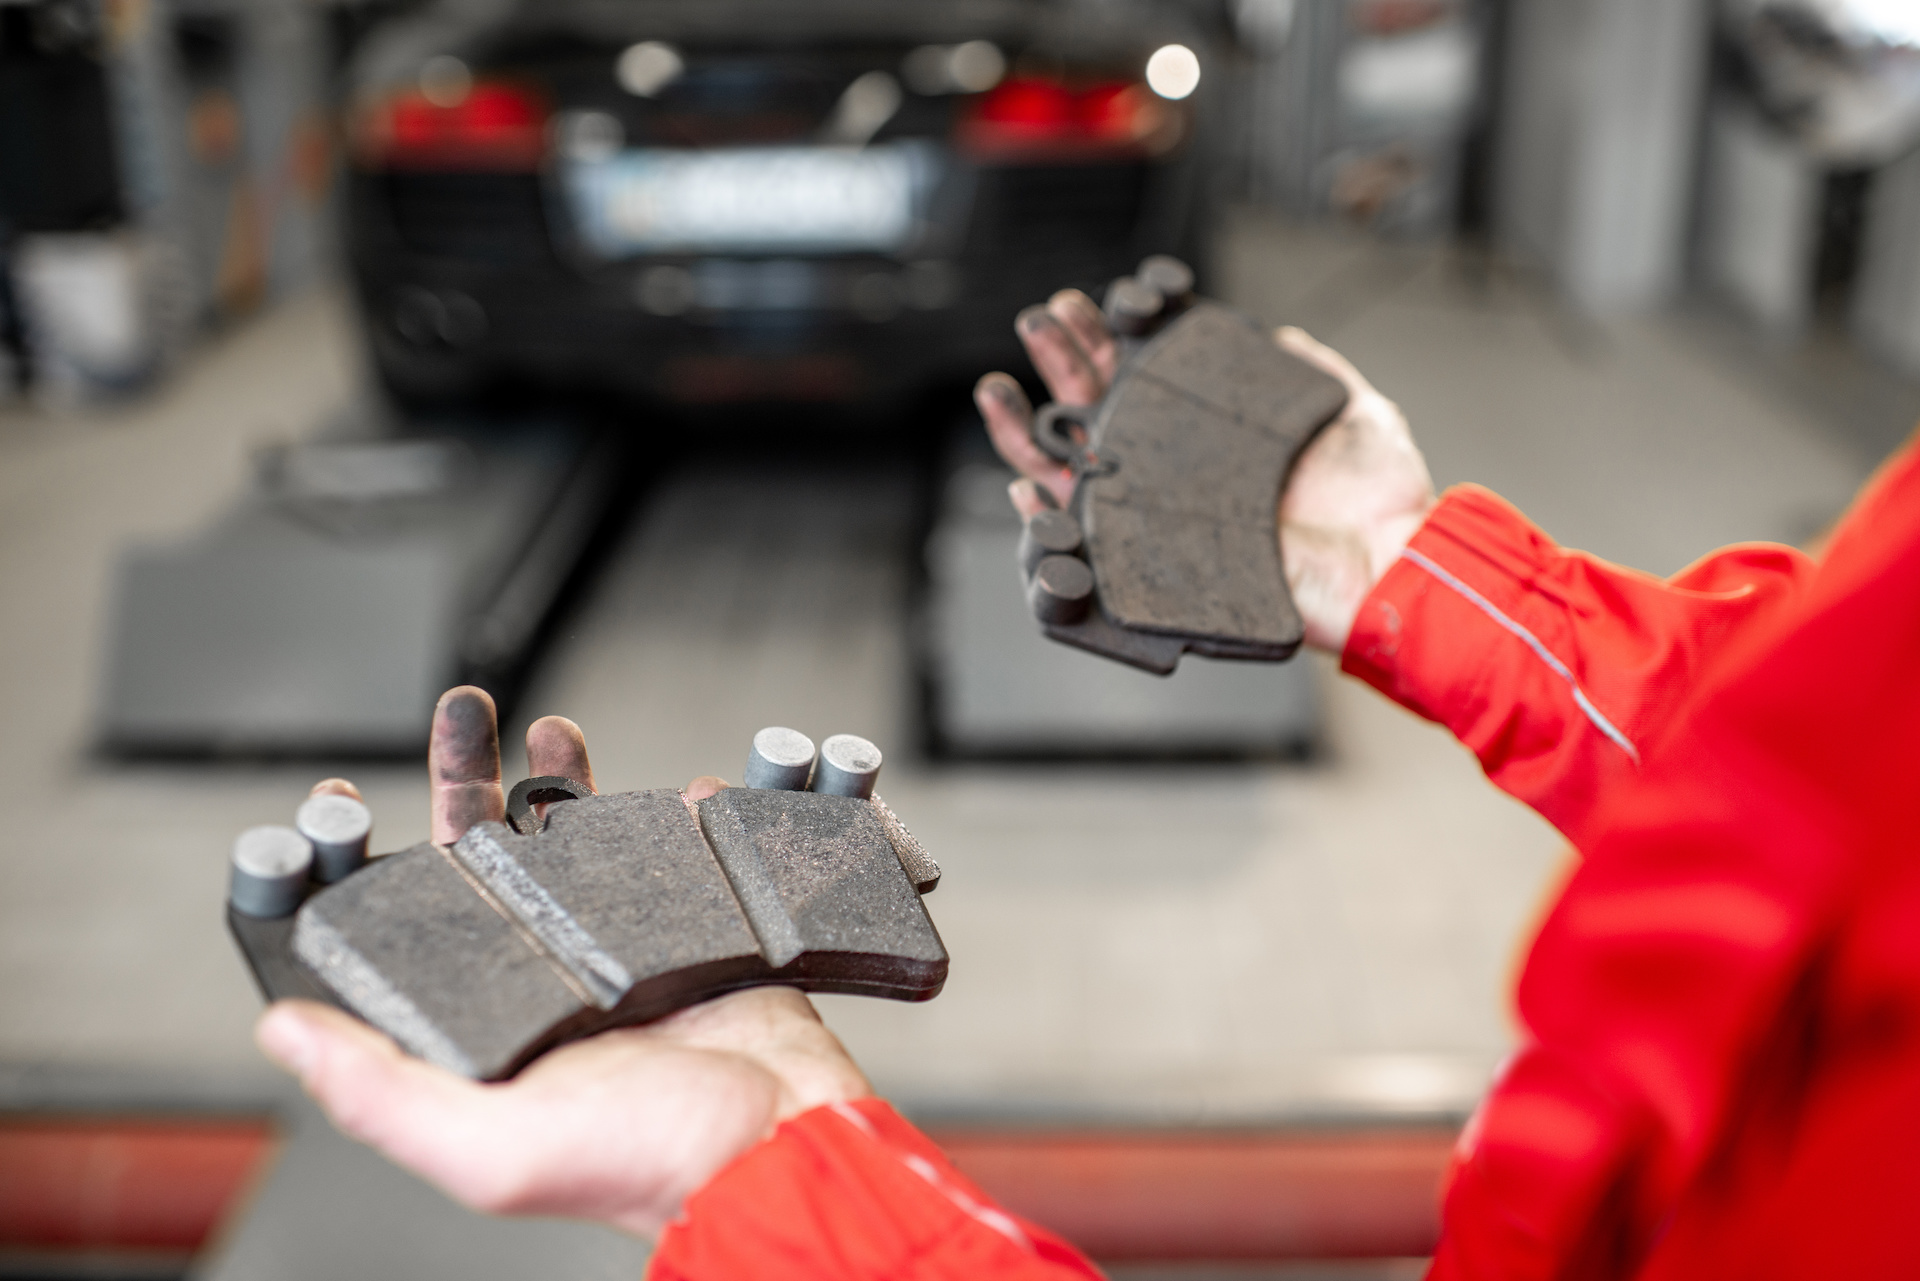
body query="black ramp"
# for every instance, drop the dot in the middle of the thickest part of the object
(327, 610)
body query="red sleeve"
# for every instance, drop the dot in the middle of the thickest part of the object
(1721, 1072)
(852, 1192)
(1559, 670)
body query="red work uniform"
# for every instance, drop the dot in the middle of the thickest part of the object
(1720, 1070)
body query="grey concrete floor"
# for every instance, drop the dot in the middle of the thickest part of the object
(1170, 942)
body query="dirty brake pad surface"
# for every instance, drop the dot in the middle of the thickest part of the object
(482, 955)
(1179, 472)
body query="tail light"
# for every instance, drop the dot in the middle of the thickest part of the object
(495, 126)
(1028, 117)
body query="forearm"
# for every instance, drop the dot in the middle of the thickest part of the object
(851, 1192)
(1560, 671)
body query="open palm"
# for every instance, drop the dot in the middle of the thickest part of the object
(620, 1127)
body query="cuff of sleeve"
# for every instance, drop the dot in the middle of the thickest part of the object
(846, 1191)
(1412, 638)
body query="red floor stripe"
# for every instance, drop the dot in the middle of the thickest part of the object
(1207, 1195)
(167, 1185)
(119, 1184)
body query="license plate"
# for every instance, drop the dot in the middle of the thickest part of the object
(752, 198)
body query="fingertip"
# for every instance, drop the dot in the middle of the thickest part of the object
(1071, 300)
(555, 745)
(1299, 341)
(1303, 344)
(1318, 354)
(1074, 308)
(1029, 499)
(287, 1036)
(1009, 419)
(463, 696)
(463, 763)
(555, 732)
(335, 787)
(1001, 391)
(466, 729)
(1035, 319)
(704, 786)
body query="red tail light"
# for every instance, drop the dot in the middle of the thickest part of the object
(1027, 117)
(496, 126)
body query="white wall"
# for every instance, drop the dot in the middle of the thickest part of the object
(1886, 314)
(1760, 231)
(1600, 118)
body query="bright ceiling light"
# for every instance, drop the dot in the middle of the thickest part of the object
(976, 66)
(646, 68)
(1894, 21)
(1173, 71)
(973, 67)
(445, 81)
(864, 109)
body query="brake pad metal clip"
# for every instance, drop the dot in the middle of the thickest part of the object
(543, 790)
(1051, 434)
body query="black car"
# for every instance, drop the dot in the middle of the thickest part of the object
(708, 201)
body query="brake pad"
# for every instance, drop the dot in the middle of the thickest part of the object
(1171, 542)
(522, 936)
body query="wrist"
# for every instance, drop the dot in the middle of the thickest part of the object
(1332, 571)
(1387, 537)
(816, 1083)
(778, 1032)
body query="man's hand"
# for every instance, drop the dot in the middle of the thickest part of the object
(621, 1127)
(1357, 494)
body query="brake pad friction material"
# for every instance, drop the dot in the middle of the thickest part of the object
(620, 890)
(482, 955)
(822, 879)
(384, 943)
(1178, 493)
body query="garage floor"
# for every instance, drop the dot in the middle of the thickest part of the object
(1149, 942)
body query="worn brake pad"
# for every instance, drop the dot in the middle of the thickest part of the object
(522, 936)
(1171, 541)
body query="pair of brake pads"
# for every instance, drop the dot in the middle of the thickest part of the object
(615, 910)
(1171, 541)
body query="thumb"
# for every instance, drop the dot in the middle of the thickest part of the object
(1316, 353)
(420, 1116)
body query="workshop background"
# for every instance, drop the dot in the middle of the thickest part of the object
(615, 357)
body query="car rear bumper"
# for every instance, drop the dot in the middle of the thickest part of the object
(469, 273)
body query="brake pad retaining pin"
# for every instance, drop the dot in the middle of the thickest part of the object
(1170, 278)
(1132, 306)
(268, 871)
(780, 760)
(338, 827)
(1049, 533)
(849, 766)
(1061, 590)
